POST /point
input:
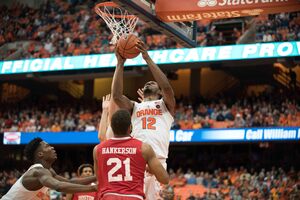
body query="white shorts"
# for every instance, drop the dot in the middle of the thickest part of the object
(151, 186)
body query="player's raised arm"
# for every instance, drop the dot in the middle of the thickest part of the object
(155, 167)
(160, 78)
(117, 85)
(95, 161)
(103, 125)
(45, 178)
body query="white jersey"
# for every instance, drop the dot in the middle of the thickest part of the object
(151, 123)
(19, 192)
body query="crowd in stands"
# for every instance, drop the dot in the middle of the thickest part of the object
(50, 118)
(67, 28)
(235, 184)
(62, 28)
(280, 27)
(265, 110)
(269, 110)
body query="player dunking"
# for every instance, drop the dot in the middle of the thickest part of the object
(152, 118)
(40, 176)
(120, 162)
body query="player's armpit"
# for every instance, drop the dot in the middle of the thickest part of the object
(169, 99)
(124, 103)
(155, 167)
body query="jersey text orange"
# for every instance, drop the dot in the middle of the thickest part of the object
(151, 111)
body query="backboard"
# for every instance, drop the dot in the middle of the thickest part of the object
(182, 32)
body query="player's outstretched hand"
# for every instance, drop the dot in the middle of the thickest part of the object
(142, 47)
(141, 95)
(120, 59)
(105, 102)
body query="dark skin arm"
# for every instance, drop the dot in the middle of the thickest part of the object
(117, 85)
(160, 78)
(83, 181)
(154, 165)
(46, 179)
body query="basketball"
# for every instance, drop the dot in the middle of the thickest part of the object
(126, 46)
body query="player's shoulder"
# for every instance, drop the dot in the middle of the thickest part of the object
(145, 147)
(146, 150)
(38, 171)
(98, 146)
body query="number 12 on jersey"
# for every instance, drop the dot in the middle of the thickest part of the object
(149, 123)
(112, 177)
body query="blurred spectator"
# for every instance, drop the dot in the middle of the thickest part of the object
(239, 122)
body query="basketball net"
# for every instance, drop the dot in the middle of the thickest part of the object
(120, 22)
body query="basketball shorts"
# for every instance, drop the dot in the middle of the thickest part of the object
(151, 186)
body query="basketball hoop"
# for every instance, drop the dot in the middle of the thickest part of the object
(120, 22)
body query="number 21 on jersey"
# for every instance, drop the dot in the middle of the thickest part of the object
(149, 123)
(112, 177)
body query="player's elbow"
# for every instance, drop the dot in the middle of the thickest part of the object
(165, 180)
(60, 187)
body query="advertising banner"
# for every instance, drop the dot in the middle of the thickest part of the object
(169, 56)
(194, 10)
(176, 136)
(12, 138)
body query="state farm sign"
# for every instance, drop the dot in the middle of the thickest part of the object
(211, 3)
(193, 10)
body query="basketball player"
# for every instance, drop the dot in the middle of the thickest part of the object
(35, 182)
(108, 108)
(151, 119)
(120, 162)
(84, 170)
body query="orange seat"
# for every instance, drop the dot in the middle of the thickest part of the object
(185, 191)
(225, 124)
